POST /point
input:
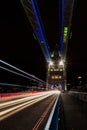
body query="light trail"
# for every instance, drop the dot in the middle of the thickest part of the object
(17, 73)
(34, 77)
(7, 84)
(10, 107)
(8, 103)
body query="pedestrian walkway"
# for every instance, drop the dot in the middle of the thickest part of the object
(73, 113)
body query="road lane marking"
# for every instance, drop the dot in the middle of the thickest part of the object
(43, 116)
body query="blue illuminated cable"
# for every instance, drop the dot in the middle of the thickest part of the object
(40, 30)
(61, 22)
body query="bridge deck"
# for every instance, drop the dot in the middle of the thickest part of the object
(73, 113)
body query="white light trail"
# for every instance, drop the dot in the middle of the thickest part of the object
(8, 103)
(10, 107)
(21, 70)
(17, 73)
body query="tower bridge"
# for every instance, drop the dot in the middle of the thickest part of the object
(35, 108)
(56, 64)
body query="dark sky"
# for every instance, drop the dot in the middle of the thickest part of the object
(18, 46)
(77, 46)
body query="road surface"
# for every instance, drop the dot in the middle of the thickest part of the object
(29, 113)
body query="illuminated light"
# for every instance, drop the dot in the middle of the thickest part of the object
(50, 63)
(61, 62)
(39, 34)
(7, 84)
(21, 104)
(56, 77)
(52, 54)
(79, 77)
(61, 22)
(60, 77)
(61, 69)
(65, 28)
(53, 77)
(65, 34)
(51, 70)
(38, 27)
(40, 30)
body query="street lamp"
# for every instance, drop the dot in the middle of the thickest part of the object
(50, 63)
(61, 62)
(79, 77)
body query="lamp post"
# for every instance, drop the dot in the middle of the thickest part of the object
(79, 80)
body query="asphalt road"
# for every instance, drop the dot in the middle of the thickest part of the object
(33, 117)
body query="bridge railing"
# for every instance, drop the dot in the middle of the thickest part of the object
(80, 95)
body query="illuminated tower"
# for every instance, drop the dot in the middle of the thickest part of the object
(55, 70)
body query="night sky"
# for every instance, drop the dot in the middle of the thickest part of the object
(19, 48)
(77, 46)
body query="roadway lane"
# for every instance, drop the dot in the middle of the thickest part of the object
(73, 113)
(10, 107)
(31, 118)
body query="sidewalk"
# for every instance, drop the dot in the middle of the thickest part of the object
(73, 113)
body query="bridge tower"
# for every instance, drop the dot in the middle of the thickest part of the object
(55, 70)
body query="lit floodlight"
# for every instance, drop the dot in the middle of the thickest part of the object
(79, 77)
(61, 62)
(50, 63)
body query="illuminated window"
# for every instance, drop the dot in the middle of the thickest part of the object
(52, 54)
(51, 70)
(56, 77)
(61, 69)
(65, 33)
(60, 77)
(52, 77)
(50, 63)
